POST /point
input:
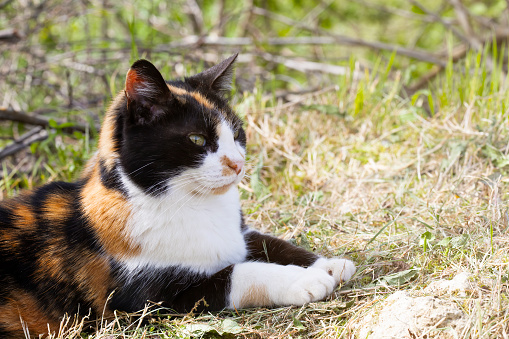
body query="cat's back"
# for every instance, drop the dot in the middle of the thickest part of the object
(47, 255)
(37, 210)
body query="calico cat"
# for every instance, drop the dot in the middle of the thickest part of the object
(155, 217)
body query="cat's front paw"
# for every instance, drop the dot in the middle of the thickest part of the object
(264, 284)
(341, 269)
(310, 285)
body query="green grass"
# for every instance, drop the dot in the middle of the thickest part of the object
(410, 198)
(413, 189)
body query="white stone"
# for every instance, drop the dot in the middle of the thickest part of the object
(403, 316)
(459, 284)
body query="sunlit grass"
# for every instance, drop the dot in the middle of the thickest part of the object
(358, 169)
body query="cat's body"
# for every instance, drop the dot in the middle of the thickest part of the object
(155, 217)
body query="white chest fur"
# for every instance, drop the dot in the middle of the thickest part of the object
(201, 233)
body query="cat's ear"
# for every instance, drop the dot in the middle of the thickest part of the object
(218, 78)
(145, 90)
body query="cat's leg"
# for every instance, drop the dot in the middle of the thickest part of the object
(246, 284)
(252, 284)
(264, 284)
(262, 247)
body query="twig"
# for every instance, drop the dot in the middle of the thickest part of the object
(195, 15)
(34, 135)
(310, 66)
(10, 35)
(438, 18)
(462, 16)
(12, 115)
(194, 40)
(470, 36)
(457, 54)
(341, 39)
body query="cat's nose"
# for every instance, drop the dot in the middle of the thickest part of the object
(236, 165)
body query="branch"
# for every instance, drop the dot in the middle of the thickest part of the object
(310, 66)
(10, 35)
(341, 39)
(462, 15)
(192, 9)
(195, 40)
(12, 115)
(438, 18)
(34, 135)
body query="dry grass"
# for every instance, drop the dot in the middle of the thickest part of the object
(375, 178)
(391, 189)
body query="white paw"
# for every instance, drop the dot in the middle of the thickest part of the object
(341, 269)
(310, 285)
(263, 284)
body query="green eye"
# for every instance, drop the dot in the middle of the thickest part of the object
(198, 139)
(236, 134)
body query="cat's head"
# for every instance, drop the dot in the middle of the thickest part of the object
(178, 135)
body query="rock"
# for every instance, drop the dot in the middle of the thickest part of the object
(459, 284)
(404, 316)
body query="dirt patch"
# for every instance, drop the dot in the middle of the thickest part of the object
(404, 316)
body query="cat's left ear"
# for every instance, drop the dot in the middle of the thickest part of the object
(218, 78)
(146, 91)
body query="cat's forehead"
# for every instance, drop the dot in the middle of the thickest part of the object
(217, 109)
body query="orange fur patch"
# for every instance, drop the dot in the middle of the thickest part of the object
(94, 277)
(56, 208)
(255, 296)
(25, 218)
(227, 170)
(23, 307)
(50, 261)
(107, 147)
(196, 95)
(221, 190)
(108, 212)
(132, 78)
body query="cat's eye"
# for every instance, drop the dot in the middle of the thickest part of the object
(236, 134)
(198, 139)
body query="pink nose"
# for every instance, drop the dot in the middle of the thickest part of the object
(236, 165)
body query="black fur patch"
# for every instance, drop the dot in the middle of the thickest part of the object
(178, 289)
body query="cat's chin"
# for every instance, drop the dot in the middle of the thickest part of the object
(215, 190)
(222, 189)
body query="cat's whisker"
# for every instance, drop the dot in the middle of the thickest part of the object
(176, 202)
(193, 194)
(142, 167)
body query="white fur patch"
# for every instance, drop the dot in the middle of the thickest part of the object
(341, 269)
(210, 173)
(189, 226)
(264, 284)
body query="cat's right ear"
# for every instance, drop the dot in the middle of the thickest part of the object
(146, 91)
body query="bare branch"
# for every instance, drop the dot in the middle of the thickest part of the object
(462, 15)
(12, 115)
(10, 35)
(309, 66)
(441, 20)
(194, 40)
(34, 135)
(341, 39)
(193, 10)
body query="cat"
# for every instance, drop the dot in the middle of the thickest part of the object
(155, 216)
